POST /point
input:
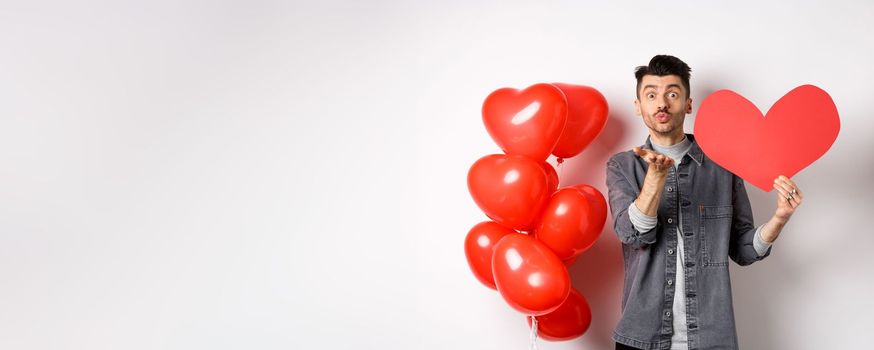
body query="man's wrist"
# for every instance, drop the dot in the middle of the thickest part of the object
(652, 171)
(778, 221)
(772, 229)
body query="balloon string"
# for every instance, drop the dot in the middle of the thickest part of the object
(533, 333)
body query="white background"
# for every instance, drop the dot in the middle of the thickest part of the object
(290, 175)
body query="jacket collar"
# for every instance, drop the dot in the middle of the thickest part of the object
(695, 152)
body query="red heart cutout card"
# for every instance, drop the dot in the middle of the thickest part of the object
(797, 130)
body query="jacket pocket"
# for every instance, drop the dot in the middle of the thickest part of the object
(715, 234)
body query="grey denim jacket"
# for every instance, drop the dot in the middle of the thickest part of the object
(717, 225)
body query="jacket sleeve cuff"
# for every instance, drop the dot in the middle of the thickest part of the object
(758, 243)
(641, 221)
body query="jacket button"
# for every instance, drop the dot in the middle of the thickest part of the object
(670, 282)
(670, 189)
(668, 313)
(670, 220)
(670, 251)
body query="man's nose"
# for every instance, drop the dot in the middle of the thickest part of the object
(662, 102)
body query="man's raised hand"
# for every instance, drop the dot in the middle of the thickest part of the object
(657, 161)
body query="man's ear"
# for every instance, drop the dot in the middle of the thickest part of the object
(688, 105)
(637, 107)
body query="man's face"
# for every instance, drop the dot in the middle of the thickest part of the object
(663, 103)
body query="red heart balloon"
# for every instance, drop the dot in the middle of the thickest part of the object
(527, 122)
(569, 321)
(795, 132)
(552, 175)
(511, 190)
(571, 221)
(528, 275)
(598, 203)
(479, 245)
(586, 118)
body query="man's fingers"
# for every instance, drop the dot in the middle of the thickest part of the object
(647, 155)
(786, 184)
(791, 184)
(794, 202)
(782, 185)
(640, 152)
(643, 152)
(665, 160)
(781, 190)
(784, 196)
(653, 157)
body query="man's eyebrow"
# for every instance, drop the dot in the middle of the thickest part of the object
(669, 86)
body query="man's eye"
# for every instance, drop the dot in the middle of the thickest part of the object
(650, 96)
(673, 95)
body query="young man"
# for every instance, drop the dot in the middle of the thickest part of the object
(680, 217)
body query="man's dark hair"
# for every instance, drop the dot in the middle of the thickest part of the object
(662, 65)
